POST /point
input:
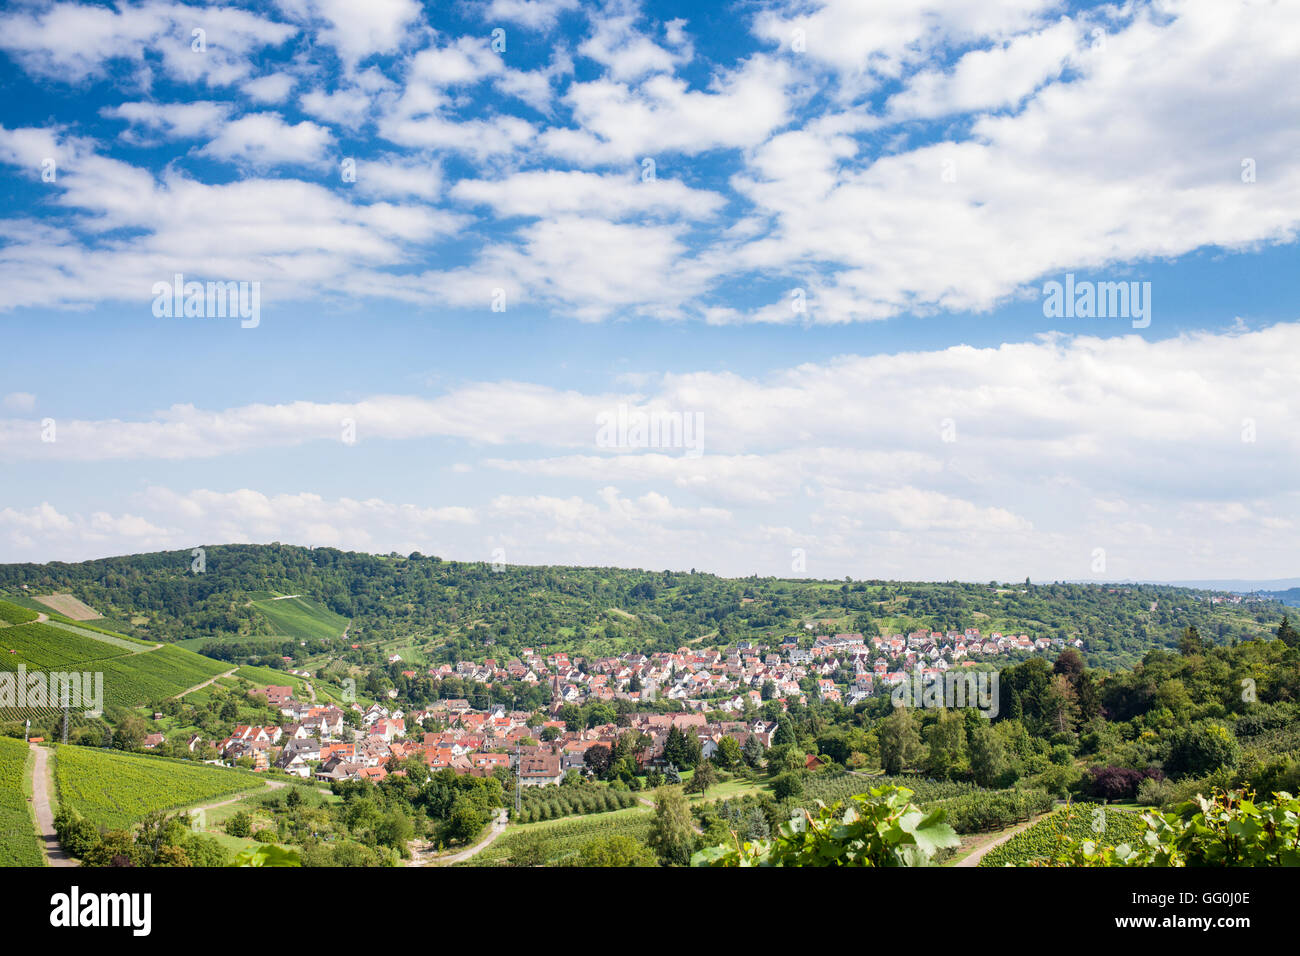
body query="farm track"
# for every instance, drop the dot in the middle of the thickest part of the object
(207, 682)
(270, 785)
(973, 859)
(499, 826)
(42, 785)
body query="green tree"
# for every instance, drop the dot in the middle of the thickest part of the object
(1287, 634)
(705, 776)
(899, 742)
(616, 849)
(1201, 749)
(728, 754)
(988, 754)
(946, 750)
(672, 831)
(787, 785)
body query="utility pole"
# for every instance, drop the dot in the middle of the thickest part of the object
(65, 721)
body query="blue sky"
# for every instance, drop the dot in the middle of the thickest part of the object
(652, 188)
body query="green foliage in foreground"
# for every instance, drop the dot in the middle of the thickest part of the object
(18, 845)
(1229, 828)
(880, 828)
(267, 855)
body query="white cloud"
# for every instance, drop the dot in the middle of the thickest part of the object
(357, 30)
(264, 139)
(70, 42)
(271, 88)
(202, 118)
(532, 14)
(554, 192)
(990, 78)
(619, 123)
(347, 107)
(292, 236)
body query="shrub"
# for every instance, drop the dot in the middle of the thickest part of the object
(1154, 792)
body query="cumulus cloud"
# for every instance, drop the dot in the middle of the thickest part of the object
(263, 140)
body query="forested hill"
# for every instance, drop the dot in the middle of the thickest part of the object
(472, 610)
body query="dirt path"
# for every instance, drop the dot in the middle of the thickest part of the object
(270, 785)
(42, 785)
(498, 828)
(973, 859)
(210, 680)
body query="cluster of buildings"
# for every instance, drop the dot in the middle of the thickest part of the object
(316, 740)
(744, 675)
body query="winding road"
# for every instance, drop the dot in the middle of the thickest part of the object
(498, 828)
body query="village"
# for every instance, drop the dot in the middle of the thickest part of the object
(737, 692)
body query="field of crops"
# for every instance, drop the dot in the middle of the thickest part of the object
(13, 614)
(129, 644)
(561, 841)
(301, 618)
(138, 678)
(554, 802)
(18, 843)
(1047, 838)
(116, 789)
(69, 606)
(830, 787)
(992, 809)
(41, 646)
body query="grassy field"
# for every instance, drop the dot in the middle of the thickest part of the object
(116, 789)
(300, 617)
(18, 843)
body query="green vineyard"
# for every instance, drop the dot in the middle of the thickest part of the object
(40, 646)
(1048, 838)
(18, 843)
(554, 844)
(13, 614)
(115, 789)
(131, 677)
